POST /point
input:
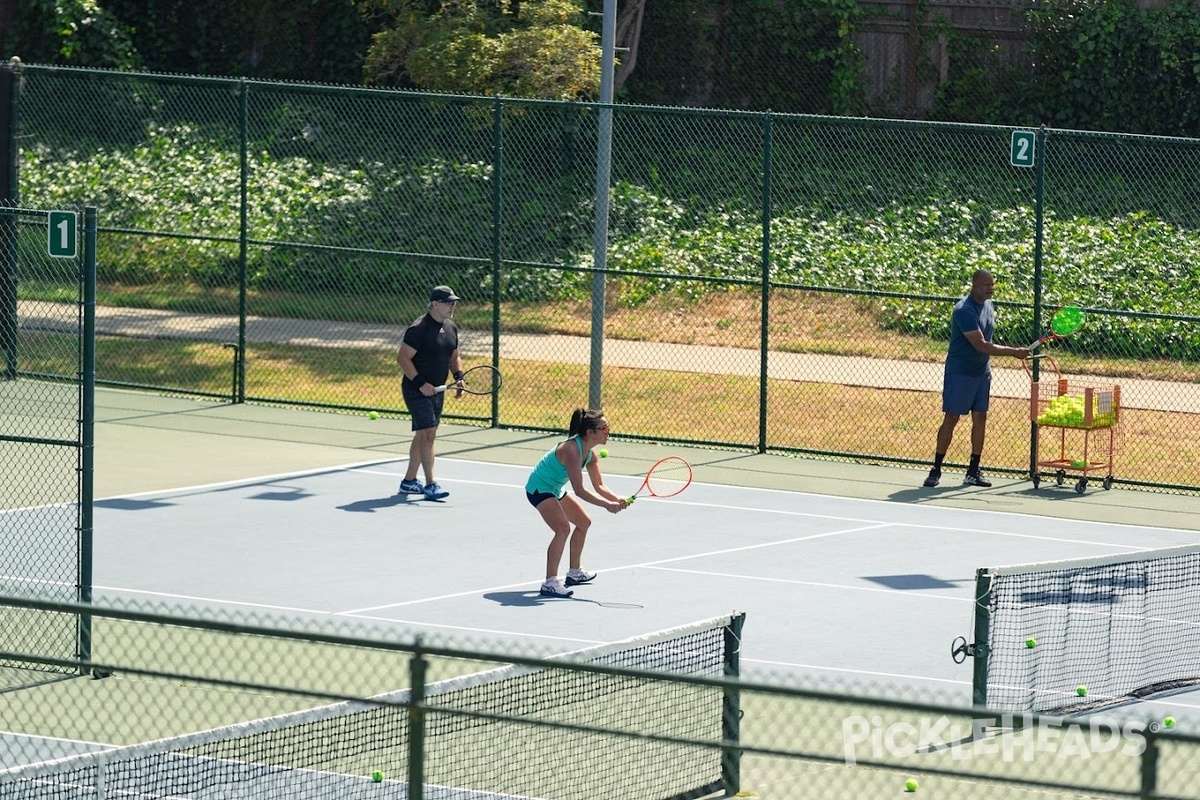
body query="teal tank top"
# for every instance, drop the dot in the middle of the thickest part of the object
(550, 474)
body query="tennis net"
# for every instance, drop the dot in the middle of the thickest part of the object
(558, 729)
(1079, 635)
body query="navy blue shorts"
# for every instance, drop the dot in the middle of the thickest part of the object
(426, 411)
(537, 498)
(962, 394)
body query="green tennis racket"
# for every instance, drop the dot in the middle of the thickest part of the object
(1066, 320)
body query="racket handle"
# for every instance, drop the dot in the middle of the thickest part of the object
(442, 388)
(630, 499)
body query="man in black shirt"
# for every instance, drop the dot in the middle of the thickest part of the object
(428, 354)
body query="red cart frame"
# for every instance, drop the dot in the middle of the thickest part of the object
(1082, 442)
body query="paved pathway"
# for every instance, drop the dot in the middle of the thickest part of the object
(843, 370)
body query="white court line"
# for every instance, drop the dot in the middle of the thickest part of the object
(838, 518)
(761, 579)
(364, 466)
(865, 672)
(930, 509)
(633, 566)
(313, 612)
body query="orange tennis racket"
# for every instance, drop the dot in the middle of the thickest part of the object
(667, 478)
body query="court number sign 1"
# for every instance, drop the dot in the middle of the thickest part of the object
(63, 239)
(1021, 153)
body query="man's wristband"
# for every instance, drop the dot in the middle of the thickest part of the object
(458, 374)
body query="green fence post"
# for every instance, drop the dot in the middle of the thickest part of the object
(497, 250)
(1149, 772)
(87, 427)
(1039, 156)
(416, 723)
(983, 631)
(8, 222)
(239, 352)
(764, 324)
(731, 709)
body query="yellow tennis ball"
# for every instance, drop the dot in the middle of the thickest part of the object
(377, 776)
(910, 785)
(1169, 722)
(603, 453)
(1081, 690)
(374, 415)
(1031, 642)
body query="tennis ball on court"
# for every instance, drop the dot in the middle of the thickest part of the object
(1081, 690)
(1031, 642)
(910, 785)
(1169, 722)
(374, 415)
(377, 776)
(603, 453)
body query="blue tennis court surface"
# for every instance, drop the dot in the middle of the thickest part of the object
(844, 593)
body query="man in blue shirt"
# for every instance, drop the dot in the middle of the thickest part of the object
(967, 384)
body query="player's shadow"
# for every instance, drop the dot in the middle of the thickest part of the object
(533, 598)
(370, 506)
(922, 493)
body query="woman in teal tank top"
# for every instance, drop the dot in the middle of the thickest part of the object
(563, 512)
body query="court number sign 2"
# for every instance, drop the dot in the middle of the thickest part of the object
(1021, 154)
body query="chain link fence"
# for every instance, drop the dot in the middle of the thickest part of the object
(202, 704)
(775, 282)
(45, 435)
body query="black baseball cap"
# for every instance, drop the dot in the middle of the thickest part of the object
(443, 293)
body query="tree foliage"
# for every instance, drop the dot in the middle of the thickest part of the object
(311, 40)
(797, 56)
(1093, 64)
(1116, 67)
(76, 32)
(535, 48)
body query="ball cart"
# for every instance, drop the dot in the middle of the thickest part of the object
(1078, 426)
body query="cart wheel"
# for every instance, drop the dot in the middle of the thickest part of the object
(1037, 480)
(1108, 482)
(1061, 476)
(1079, 487)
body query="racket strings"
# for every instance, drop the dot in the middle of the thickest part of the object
(1067, 320)
(482, 379)
(669, 477)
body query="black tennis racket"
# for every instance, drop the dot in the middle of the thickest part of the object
(481, 380)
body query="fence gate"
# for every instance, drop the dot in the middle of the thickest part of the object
(47, 406)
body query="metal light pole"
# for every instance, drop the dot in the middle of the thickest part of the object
(603, 175)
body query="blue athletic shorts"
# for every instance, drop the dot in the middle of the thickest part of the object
(962, 394)
(426, 411)
(537, 498)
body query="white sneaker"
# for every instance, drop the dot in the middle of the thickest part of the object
(577, 577)
(554, 588)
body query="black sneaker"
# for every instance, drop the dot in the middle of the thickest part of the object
(976, 479)
(935, 476)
